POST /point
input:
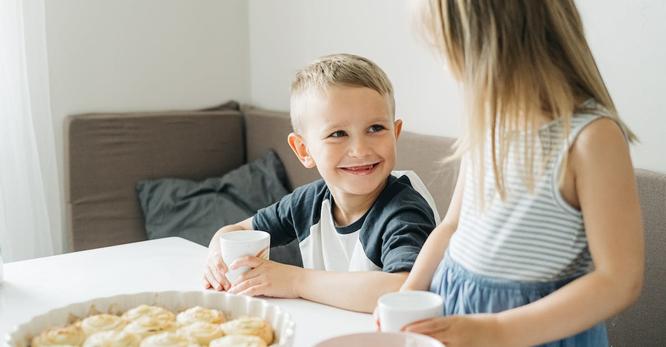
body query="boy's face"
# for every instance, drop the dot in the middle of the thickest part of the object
(349, 135)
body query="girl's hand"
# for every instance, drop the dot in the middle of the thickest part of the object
(468, 331)
(266, 278)
(214, 271)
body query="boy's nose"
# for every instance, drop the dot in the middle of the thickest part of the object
(359, 149)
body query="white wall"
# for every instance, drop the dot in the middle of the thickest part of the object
(126, 55)
(286, 35)
(626, 37)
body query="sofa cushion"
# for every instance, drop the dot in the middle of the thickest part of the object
(106, 154)
(196, 210)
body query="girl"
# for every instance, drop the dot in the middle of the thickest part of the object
(543, 238)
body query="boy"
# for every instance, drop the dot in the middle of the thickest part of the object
(359, 218)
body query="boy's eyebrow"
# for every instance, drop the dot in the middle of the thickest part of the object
(382, 118)
(375, 119)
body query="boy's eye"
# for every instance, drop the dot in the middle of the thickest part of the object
(338, 133)
(376, 128)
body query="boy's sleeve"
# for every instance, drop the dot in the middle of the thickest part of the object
(291, 216)
(277, 220)
(406, 230)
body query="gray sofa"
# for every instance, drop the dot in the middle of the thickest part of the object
(107, 153)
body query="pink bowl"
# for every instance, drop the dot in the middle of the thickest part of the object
(381, 339)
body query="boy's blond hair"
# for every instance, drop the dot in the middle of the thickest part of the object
(346, 70)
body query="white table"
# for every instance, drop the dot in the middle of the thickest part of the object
(35, 286)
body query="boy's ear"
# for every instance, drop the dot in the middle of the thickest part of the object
(298, 146)
(397, 128)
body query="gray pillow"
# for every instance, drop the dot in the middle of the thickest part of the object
(196, 210)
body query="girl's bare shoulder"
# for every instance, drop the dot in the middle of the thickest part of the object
(602, 139)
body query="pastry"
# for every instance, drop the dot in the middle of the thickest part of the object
(201, 332)
(146, 310)
(71, 335)
(102, 322)
(147, 325)
(167, 340)
(238, 341)
(249, 326)
(200, 314)
(112, 338)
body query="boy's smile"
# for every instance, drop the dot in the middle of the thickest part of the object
(361, 169)
(349, 135)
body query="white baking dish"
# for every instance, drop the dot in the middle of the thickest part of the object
(233, 306)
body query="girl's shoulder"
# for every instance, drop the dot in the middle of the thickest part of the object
(599, 133)
(600, 141)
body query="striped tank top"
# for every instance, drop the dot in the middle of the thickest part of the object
(529, 236)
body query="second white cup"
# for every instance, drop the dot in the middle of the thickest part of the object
(401, 308)
(236, 244)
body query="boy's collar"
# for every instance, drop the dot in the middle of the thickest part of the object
(329, 195)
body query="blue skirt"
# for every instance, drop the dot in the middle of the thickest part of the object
(468, 293)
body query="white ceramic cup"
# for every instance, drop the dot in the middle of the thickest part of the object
(236, 244)
(401, 308)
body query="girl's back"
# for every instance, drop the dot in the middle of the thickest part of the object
(530, 235)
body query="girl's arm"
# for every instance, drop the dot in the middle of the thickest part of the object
(606, 189)
(433, 249)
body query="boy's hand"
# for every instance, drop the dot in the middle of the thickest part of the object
(469, 330)
(215, 270)
(266, 278)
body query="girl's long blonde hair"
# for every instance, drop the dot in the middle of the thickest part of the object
(520, 62)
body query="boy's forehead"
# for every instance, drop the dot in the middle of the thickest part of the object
(342, 104)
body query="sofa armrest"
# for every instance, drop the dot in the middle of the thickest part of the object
(106, 154)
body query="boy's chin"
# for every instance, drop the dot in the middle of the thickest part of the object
(362, 188)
